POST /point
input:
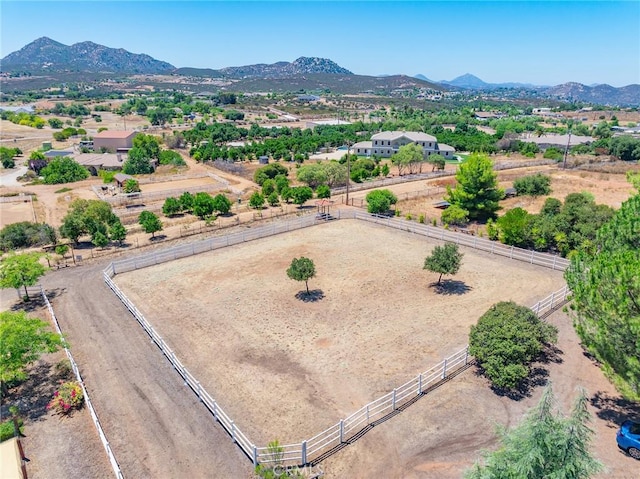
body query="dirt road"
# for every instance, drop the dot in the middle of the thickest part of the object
(154, 423)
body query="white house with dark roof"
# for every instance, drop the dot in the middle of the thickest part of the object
(387, 144)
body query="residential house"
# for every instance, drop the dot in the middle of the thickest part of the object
(387, 144)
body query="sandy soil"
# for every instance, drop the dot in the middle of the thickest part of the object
(140, 399)
(245, 335)
(15, 212)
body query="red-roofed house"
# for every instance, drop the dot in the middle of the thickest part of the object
(113, 141)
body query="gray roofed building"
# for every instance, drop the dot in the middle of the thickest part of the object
(387, 144)
(57, 153)
(100, 161)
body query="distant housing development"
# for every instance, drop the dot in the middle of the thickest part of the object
(387, 143)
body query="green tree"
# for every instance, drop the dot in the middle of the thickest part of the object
(100, 239)
(63, 170)
(62, 249)
(269, 172)
(507, 338)
(437, 161)
(87, 217)
(533, 185)
(26, 234)
(203, 205)
(454, 215)
(302, 269)
(544, 445)
(379, 201)
(37, 155)
(150, 222)
(117, 232)
(273, 199)
(301, 194)
(514, 227)
(55, 123)
(605, 281)
(268, 187)
(323, 191)
(409, 158)
(221, 204)
(477, 188)
(131, 186)
(145, 149)
(313, 175)
(186, 201)
(21, 270)
(22, 341)
(171, 206)
(445, 259)
(256, 201)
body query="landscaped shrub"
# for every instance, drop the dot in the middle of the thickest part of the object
(7, 429)
(68, 397)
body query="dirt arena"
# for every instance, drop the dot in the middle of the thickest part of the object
(15, 212)
(286, 368)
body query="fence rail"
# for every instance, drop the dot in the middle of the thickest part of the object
(133, 198)
(87, 400)
(533, 257)
(16, 199)
(324, 442)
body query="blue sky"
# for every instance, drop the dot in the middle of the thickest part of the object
(546, 43)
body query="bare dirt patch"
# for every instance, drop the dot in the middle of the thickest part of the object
(233, 318)
(15, 212)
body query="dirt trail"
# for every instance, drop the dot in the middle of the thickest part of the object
(154, 423)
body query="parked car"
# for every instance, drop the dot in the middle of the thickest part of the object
(628, 438)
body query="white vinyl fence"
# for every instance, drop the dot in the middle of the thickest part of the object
(534, 257)
(323, 443)
(87, 400)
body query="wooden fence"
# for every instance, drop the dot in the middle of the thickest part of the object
(323, 443)
(87, 400)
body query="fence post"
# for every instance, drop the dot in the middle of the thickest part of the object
(255, 456)
(555, 257)
(466, 356)
(199, 391)
(420, 383)
(341, 430)
(552, 298)
(444, 369)
(304, 452)
(532, 256)
(393, 400)
(233, 431)
(215, 410)
(113, 270)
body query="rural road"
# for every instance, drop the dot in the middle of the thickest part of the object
(154, 423)
(10, 178)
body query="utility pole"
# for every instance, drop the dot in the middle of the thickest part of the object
(566, 151)
(348, 168)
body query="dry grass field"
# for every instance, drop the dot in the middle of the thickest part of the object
(287, 368)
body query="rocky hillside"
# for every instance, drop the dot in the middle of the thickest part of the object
(601, 94)
(45, 54)
(301, 66)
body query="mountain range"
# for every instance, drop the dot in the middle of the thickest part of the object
(47, 56)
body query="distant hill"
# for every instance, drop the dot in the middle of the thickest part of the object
(337, 83)
(467, 81)
(601, 94)
(45, 54)
(420, 76)
(301, 66)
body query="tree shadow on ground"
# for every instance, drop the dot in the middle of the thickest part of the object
(158, 238)
(538, 376)
(34, 394)
(36, 302)
(311, 297)
(451, 287)
(614, 409)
